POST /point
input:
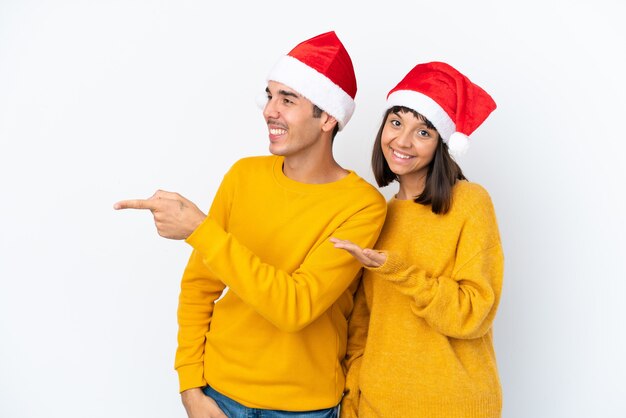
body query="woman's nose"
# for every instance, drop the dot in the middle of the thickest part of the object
(403, 140)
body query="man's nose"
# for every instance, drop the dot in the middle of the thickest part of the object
(270, 110)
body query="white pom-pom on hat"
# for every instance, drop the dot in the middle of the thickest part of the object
(458, 144)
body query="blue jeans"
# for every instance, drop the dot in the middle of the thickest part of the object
(236, 410)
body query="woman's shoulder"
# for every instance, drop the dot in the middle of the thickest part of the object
(473, 206)
(467, 194)
(468, 190)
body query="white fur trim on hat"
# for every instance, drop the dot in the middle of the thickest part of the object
(316, 87)
(427, 107)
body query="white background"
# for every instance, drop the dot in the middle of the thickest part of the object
(107, 100)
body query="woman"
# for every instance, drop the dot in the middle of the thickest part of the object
(432, 284)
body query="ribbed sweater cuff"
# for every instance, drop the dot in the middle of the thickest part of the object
(390, 267)
(207, 238)
(191, 376)
(410, 280)
(396, 270)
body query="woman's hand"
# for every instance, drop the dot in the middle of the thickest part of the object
(366, 256)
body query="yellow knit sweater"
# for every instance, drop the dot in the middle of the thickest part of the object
(429, 351)
(277, 338)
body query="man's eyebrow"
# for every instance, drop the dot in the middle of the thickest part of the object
(283, 92)
(288, 93)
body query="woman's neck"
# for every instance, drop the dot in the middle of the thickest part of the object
(410, 187)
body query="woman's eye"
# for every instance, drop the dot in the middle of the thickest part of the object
(423, 133)
(395, 122)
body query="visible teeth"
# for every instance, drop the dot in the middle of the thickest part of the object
(277, 131)
(403, 156)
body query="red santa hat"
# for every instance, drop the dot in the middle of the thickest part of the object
(321, 70)
(448, 99)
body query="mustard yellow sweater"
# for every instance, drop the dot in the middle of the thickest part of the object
(430, 307)
(277, 337)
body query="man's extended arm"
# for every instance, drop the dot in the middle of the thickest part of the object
(293, 300)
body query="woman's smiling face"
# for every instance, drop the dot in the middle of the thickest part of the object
(408, 145)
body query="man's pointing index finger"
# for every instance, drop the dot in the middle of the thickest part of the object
(135, 204)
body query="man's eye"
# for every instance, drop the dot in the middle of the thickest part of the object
(287, 101)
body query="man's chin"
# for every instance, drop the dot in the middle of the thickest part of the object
(277, 150)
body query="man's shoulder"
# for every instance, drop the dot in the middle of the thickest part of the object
(366, 189)
(362, 196)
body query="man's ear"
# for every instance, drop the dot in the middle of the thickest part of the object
(329, 122)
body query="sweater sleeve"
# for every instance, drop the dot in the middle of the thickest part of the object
(289, 300)
(199, 291)
(358, 325)
(200, 288)
(464, 304)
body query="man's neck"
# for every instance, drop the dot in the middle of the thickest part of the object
(311, 170)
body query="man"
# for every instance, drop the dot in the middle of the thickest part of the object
(275, 341)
